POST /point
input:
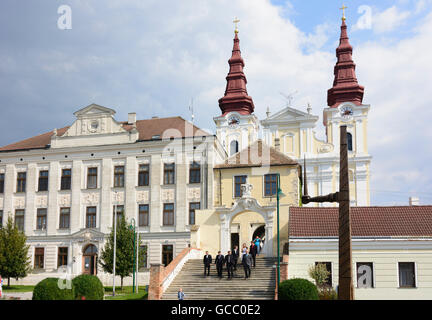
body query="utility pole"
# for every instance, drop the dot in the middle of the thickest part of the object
(346, 288)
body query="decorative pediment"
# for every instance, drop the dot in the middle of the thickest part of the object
(88, 235)
(289, 114)
(95, 125)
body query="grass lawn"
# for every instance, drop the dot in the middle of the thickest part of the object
(126, 293)
(15, 288)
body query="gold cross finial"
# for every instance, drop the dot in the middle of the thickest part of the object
(343, 11)
(236, 20)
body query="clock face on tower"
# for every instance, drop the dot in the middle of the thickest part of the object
(233, 121)
(346, 112)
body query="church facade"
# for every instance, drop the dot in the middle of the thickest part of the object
(181, 185)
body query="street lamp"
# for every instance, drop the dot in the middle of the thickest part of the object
(115, 241)
(279, 195)
(132, 227)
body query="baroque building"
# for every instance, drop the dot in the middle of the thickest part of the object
(181, 185)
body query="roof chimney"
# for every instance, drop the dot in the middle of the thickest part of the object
(131, 117)
(414, 201)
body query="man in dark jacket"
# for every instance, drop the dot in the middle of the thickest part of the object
(247, 264)
(253, 252)
(229, 259)
(219, 261)
(207, 262)
(235, 254)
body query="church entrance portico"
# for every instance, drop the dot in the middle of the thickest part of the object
(244, 209)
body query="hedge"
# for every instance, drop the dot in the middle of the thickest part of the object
(49, 289)
(298, 289)
(88, 287)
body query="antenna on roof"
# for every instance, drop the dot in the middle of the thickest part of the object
(191, 109)
(289, 97)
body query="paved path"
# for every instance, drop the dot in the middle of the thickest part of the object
(21, 295)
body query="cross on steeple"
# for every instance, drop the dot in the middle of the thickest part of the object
(236, 20)
(343, 11)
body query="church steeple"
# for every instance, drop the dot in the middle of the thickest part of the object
(345, 86)
(236, 97)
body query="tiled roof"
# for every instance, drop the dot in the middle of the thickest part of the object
(404, 221)
(256, 155)
(146, 128)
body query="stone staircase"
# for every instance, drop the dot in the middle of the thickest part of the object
(260, 286)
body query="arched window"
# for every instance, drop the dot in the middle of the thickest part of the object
(349, 142)
(90, 250)
(234, 148)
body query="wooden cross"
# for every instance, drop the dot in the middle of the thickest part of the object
(236, 20)
(343, 11)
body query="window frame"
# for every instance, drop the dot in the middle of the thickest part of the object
(145, 214)
(66, 180)
(192, 211)
(235, 185)
(169, 172)
(61, 217)
(43, 181)
(41, 218)
(145, 173)
(414, 269)
(167, 252)
(93, 220)
(21, 182)
(39, 258)
(119, 177)
(271, 195)
(168, 215)
(326, 263)
(120, 212)
(194, 172)
(91, 175)
(2, 182)
(21, 216)
(61, 256)
(371, 264)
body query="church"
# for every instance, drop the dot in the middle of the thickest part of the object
(188, 188)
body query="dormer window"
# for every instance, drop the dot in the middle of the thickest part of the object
(156, 137)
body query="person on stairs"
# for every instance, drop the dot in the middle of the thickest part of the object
(235, 254)
(229, 260)
(207, 262)
(219, 261)
(247, 264)
(253, 252)
(257, 242)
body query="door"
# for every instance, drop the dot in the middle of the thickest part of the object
(235, 240)
(90, 260)
(167, 254)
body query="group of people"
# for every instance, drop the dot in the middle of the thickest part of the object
(230, 260)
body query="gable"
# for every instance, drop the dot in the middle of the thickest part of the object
(289, 114)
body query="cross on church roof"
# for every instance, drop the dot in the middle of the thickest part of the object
(343, 11)
(236, 20)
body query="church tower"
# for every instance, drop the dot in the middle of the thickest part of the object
(237, 126)
(345, 107)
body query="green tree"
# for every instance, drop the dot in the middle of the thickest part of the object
(14, 259)
(124, 251)
(320, 274)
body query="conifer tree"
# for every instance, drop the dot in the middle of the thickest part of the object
(14, 259)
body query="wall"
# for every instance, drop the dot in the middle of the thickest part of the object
(385, 257)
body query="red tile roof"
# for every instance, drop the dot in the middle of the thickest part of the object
(404, 221)
(256, 155)
(175, 126)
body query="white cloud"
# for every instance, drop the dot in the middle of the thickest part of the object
(389, 19)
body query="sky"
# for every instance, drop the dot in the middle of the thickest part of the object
(153, 56)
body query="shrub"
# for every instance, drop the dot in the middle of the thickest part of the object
(298, 289)
(327, 293)
(319, 273)
(49, 289)
(89, 287)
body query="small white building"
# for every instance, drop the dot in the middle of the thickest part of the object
(391, 249)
